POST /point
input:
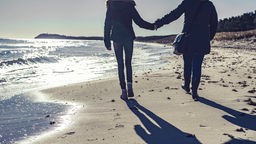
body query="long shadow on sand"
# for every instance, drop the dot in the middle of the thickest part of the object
(159, 131)
(240, 119)
(240, 141)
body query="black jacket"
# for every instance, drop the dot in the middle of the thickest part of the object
(118, 22)
(203, 28)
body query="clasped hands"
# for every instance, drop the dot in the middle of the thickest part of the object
(157, 24)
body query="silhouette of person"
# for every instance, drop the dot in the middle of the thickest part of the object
(118, 27)
(203, 28)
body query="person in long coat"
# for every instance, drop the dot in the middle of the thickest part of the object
(118, 27)
(200, 26)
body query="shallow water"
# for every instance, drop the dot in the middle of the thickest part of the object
(22, 117)
(29, 65)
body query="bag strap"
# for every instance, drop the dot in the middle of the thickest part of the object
(195, 16)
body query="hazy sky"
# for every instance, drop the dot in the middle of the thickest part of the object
(28, 18)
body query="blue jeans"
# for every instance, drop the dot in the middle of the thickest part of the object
(193, 66)
(126, 48)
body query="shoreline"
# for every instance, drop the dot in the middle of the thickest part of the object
(105, 118)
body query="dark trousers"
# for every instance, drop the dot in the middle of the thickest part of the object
(193, 66)
(122, 48)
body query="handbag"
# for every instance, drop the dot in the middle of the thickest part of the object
(180, 42)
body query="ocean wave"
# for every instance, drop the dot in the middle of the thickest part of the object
(15, 46)
(28, 61)
(2, 40)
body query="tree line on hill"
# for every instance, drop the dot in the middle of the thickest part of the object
(244, 22)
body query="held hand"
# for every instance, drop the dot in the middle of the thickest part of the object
(157, 24)
(155, 27)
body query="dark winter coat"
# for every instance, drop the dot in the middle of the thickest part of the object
(203, 28)
(118, 22)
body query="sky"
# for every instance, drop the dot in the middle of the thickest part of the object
(28, 18)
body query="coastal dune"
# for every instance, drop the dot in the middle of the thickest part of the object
(161, 112)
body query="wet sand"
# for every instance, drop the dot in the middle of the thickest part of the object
(161, 112)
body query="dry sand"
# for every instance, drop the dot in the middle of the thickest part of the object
(161, 112)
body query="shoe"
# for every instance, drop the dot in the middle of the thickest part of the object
(130, 93)
(124, 95)
(195, 97)
(187, 89)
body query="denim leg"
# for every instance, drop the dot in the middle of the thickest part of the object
(187, 69)
(128, 48)
(196, 70)
(119, 47)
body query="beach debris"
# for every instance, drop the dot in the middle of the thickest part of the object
(249, 77)
(234, 90)
(117, 114)
(212, 82)
(151, 90)
(167, 88)
(224, 71)
(179, 77)
(250, 102)
(252, 91)
(202, 125)
(245, 109)
(136, 81)
(243, 84)
(174, 88)
(92, 139)
(253, 112)
(229, 135)
(177, 72)
(119, 126)
(168, 98)
(206, 77)
(70, 133)
(47, 116)
(225, 85)
(52, 122)
(113, 100)
(240, 130)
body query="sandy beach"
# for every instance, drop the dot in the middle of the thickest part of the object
(161, 112)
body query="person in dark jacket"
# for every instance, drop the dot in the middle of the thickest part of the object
(201, 21)
(118, 27)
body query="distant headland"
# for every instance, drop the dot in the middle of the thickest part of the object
(58, 36)
(155, 39)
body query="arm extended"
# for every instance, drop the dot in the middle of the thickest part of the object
(172, 16)
(140, 22)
